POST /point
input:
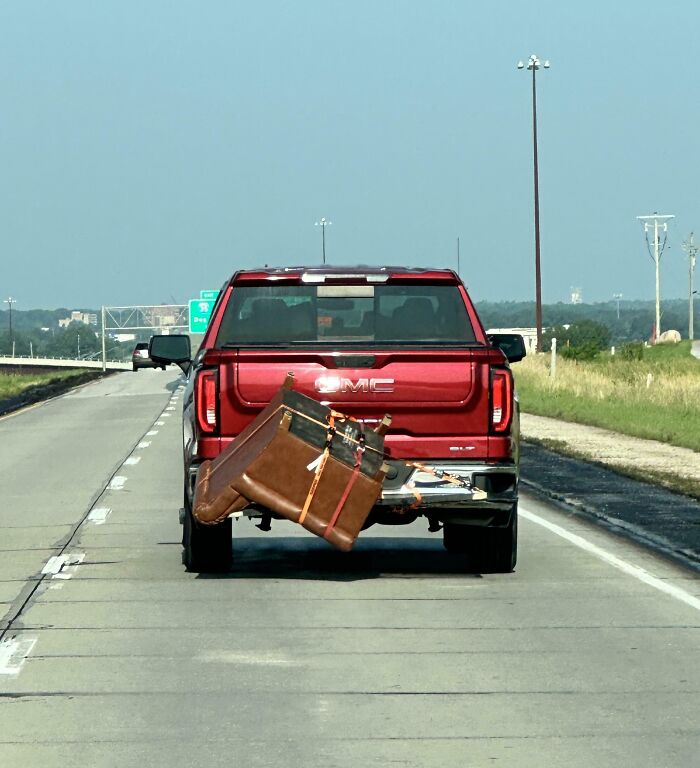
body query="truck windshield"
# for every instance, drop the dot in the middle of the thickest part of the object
(345, 314)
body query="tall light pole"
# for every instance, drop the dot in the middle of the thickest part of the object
(691, 249)
(533, 64)
(656, 223)
(617, 297)
(10, 301)
(323, 224)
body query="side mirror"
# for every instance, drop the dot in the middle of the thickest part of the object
(511, 344)
(171, 349)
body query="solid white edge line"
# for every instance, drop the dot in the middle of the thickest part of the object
(622, 565)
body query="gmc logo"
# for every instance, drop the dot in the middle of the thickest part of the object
(329, 385)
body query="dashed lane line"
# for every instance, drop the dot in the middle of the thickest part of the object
(14, 652)
(99, 515)
(117, 483)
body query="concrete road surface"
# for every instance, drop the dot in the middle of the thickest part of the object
(391, 655)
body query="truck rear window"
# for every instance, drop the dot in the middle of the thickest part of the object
(345, 314)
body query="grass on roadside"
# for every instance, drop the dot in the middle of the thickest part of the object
(12, 384)
(655, 398)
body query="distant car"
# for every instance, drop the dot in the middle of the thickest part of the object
(140, 358)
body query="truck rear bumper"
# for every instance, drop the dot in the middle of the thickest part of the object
(408, 486)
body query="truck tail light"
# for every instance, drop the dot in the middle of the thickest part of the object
(206, 399)
(501, 399)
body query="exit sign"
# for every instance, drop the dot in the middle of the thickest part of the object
(200, 312)
(209, 295)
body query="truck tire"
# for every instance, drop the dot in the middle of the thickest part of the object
(206, 548)
(487, 550)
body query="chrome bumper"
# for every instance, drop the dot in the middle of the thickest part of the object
(495, 486)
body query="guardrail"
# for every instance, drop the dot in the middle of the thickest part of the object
(62, 362)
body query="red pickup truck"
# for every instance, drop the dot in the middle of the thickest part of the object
(367, 341)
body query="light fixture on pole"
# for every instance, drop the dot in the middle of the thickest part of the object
(656, 223)
(533, 64)
(617, 297)
(323, 224)
(691, 249)
(10, 301)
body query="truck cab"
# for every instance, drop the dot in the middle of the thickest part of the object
(368, 341)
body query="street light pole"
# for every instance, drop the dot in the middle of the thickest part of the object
(657, 223)
(533, 64)
(617, 297)
(323, 224)
(10, 301)
(691, 249)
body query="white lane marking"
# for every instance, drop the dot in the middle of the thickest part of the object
(165, 415)
(117, 483)
(622, 565)
(234, 657)
(99, 515)
(159, 424)
(169, 408)
(144, 444)
(152, 432)
(13, 654)
(54, 564)
(129, 462)
(63, 566)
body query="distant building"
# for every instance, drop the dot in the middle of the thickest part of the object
(89, 318)
(576, 296)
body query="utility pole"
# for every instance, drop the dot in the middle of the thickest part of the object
(533, 64)
(656, 223)
(691, 249)
(457, 257)
(10, 301)
(323, 224)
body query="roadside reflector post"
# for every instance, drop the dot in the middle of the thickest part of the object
(553, 364)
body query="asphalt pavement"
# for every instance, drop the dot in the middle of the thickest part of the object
(389, 655)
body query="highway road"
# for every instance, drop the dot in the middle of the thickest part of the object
(113, 655)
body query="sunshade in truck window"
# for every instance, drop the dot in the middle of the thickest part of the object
(345, 314)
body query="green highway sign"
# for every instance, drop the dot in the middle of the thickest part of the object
(209, 295)
(200, 311)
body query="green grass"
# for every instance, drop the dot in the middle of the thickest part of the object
(12, 384)
(656, 398)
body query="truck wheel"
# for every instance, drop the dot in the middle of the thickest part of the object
(134, 368)
(487, 550)
(206, 548)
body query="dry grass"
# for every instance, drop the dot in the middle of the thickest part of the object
(657, 398)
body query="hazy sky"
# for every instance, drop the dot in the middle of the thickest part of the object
(149, 149)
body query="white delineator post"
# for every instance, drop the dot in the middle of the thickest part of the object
(691, 249)
(553, 363)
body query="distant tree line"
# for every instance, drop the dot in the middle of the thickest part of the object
(635, 323)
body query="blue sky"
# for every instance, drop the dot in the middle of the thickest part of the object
(147, 150)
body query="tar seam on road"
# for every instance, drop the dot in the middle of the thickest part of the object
(616, 562)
